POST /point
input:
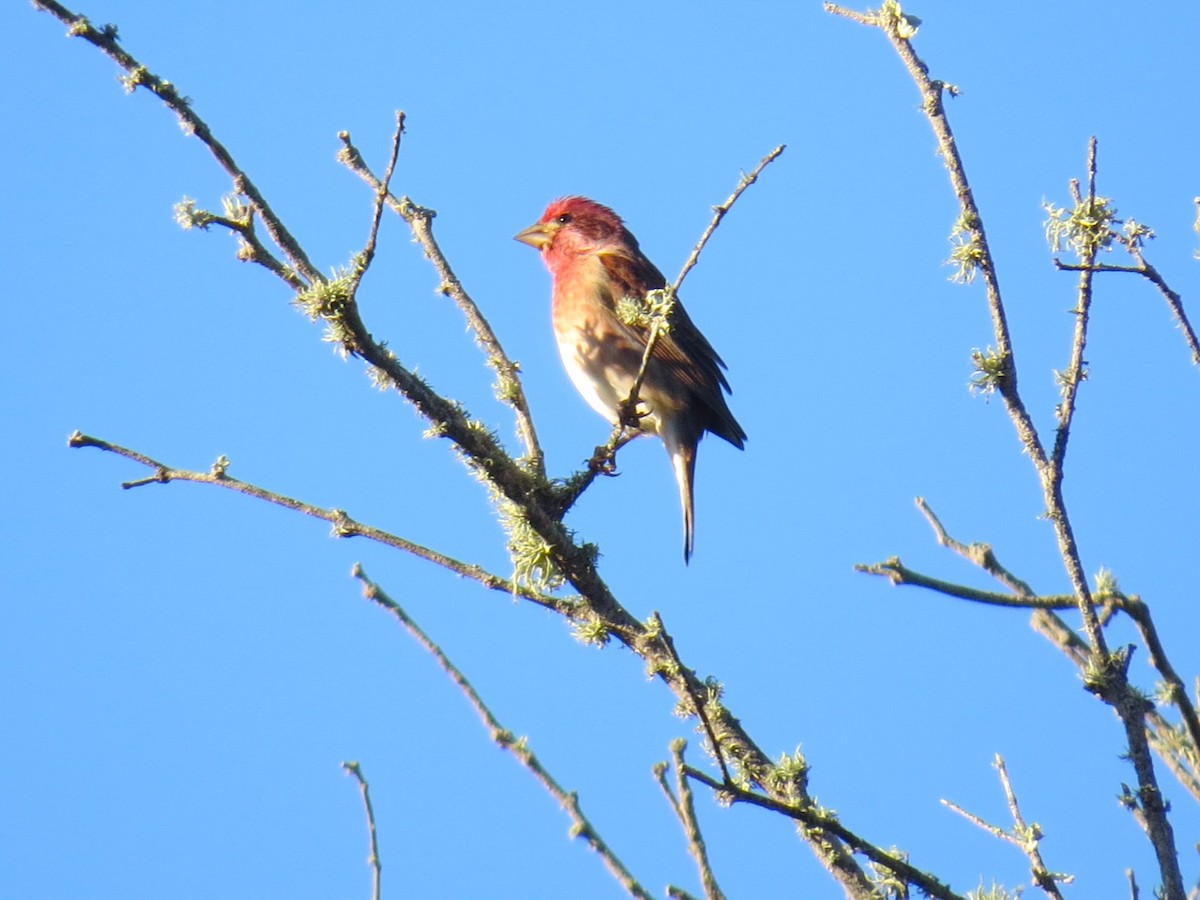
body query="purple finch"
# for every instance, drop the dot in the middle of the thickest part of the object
(595, 263)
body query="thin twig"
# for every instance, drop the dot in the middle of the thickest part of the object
(420, 221)
(353, 768)
(1030, 836)
(517, 747)
(139, 76)
(381, 194)
(1179, 753)
(1174, 301)
(250, 248)
(1075, 373)
(970, 218)
(685, 810)
(1023, 836)
(899, 574)
(1151, 274)
(662, 324)
(697, 704)
(980, 554)
(343, 525)
(810, 818)
(719, 212)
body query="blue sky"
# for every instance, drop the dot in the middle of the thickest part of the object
(183, 669)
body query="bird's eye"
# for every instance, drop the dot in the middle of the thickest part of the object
(564, 219)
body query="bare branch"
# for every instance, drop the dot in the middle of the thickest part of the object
(810, 817)
(343, 525)
(140, 76)
(1106, 674)
(353, 768)
(662, 323)
(1023, 836)
(506, 740)
(698, 703)
(1174, 301)
(685, 810)
(980, 554)
(899, 574)
(381, 195)
(1177, 750)
(719, 212)
(420, 221)
(1075, 373)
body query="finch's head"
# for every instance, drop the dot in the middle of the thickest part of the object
(572, 226)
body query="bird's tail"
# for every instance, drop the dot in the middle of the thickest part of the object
(683, 461)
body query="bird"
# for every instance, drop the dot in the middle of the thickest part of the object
(595, 262)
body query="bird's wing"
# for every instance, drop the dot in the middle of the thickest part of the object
(683, 348)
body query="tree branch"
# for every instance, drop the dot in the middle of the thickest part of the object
(506, 740)
(1106, 675)
(1024, 837)
(810, 818)
(140, 76)
(353, 768)
(420, 220)
(685, 810)
(343, 525)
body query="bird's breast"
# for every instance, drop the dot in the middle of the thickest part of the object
(598, 353)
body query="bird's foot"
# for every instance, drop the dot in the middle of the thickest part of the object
(629, 416)
(603, 462)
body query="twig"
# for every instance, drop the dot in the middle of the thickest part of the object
(1151, 274)
(980, 554)
(662, 324)
(810, 818)
(420, 221)
(970, 218)
(353, 768)
(1024, 837)
(250, 248)
(343, 525)
(381, 195)
(1179, 754)
(1174, 301)
(685, 810)
(899, 574)
(719, 212)
(505, 739)
(697, 703)
(889, 21)
(140, 76)
(1075, 373)
(1140, 613)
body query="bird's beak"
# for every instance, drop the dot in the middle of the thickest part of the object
(537, 236)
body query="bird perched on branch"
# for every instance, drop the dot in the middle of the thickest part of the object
(595, 264)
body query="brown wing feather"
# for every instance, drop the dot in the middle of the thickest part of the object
(689, 354)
